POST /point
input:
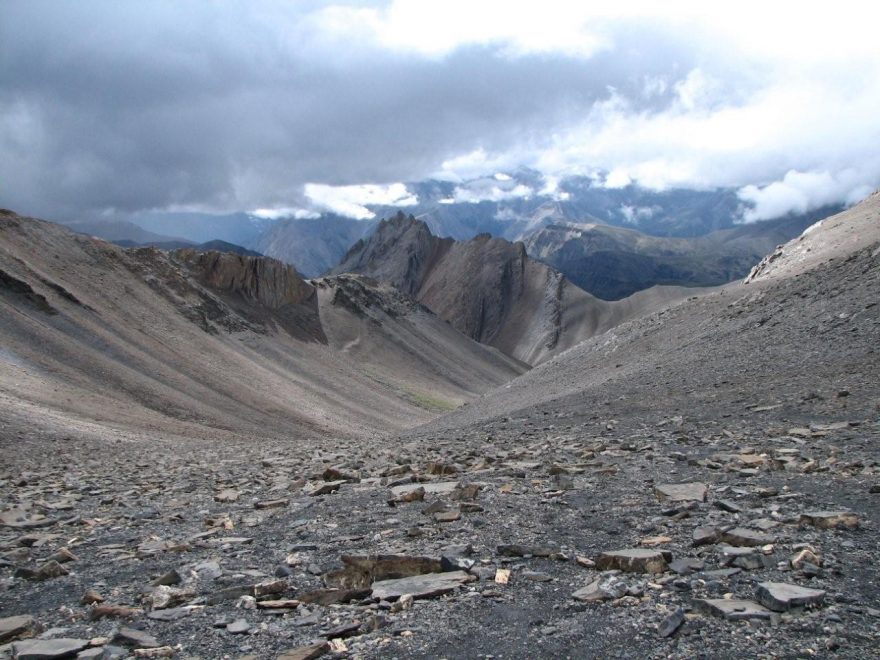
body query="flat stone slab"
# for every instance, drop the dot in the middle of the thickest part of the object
(742, 537)
(781, 596)
(635, 560)
(326, 488)
(238, 627)
(687, 565)
(732, 610)
(272, 504)
(21, 519)
(431, 488)
(48, 649)
(706, 535)
(287, 603)
(305, 652)
(227, 496)
(521, 550)
(15, 626)
(691, 492)
(421, 586)
(135, 638)
(831, 519)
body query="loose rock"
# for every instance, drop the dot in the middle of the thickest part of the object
(781, 596)
(636, 560)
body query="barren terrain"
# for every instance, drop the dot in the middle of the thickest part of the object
(703, 481)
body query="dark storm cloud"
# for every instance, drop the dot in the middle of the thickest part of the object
(129, 106)
(113, 107)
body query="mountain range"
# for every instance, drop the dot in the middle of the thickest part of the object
(214, 448)
(700, 237)
(490, 289)
(184, 341)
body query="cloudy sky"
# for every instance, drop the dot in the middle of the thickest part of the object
(107, 108)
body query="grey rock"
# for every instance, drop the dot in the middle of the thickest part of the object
(136, 638)
(536, 576)
(430, 488)
(325, 488)
(228, 496)
(309, 652)
(687, 565)
(671, 623)
(230, 593)
(420, 586)
(170, 578)
(272, 504)
(690, 492)
(742, 537)
(781, 596)
(605, 588)
(455, 563)
(238, 627)
(831, 519)
(13, 627)
(635, 560)
(48, 649)
(732, 610)
(517, 550)
(706, 536)
(447, 516)
(343, 631)
(51, 569)
(728, 505)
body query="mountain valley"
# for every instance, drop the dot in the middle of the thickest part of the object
(208, 455)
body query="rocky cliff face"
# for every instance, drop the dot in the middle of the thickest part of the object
(402, 251)
(489, 289)
(257, 279)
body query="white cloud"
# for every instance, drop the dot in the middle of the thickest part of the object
(617, 178)
(813, 34)
(473, 195)
(799, 192)
(475, 164)
(436, 28)
(634, 214)
(285, 212)
(352, 201)
(551, 189)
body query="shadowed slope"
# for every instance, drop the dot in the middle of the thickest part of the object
(490, 290)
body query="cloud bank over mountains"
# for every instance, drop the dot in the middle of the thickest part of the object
(298, 108)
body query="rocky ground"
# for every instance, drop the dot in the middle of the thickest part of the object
(246, 551)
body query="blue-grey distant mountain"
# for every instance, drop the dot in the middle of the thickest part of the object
(515, 206)
(518, 204)
(208, 246)
(236, 228)
(614, 262)
(313, 245)
(120, 230)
